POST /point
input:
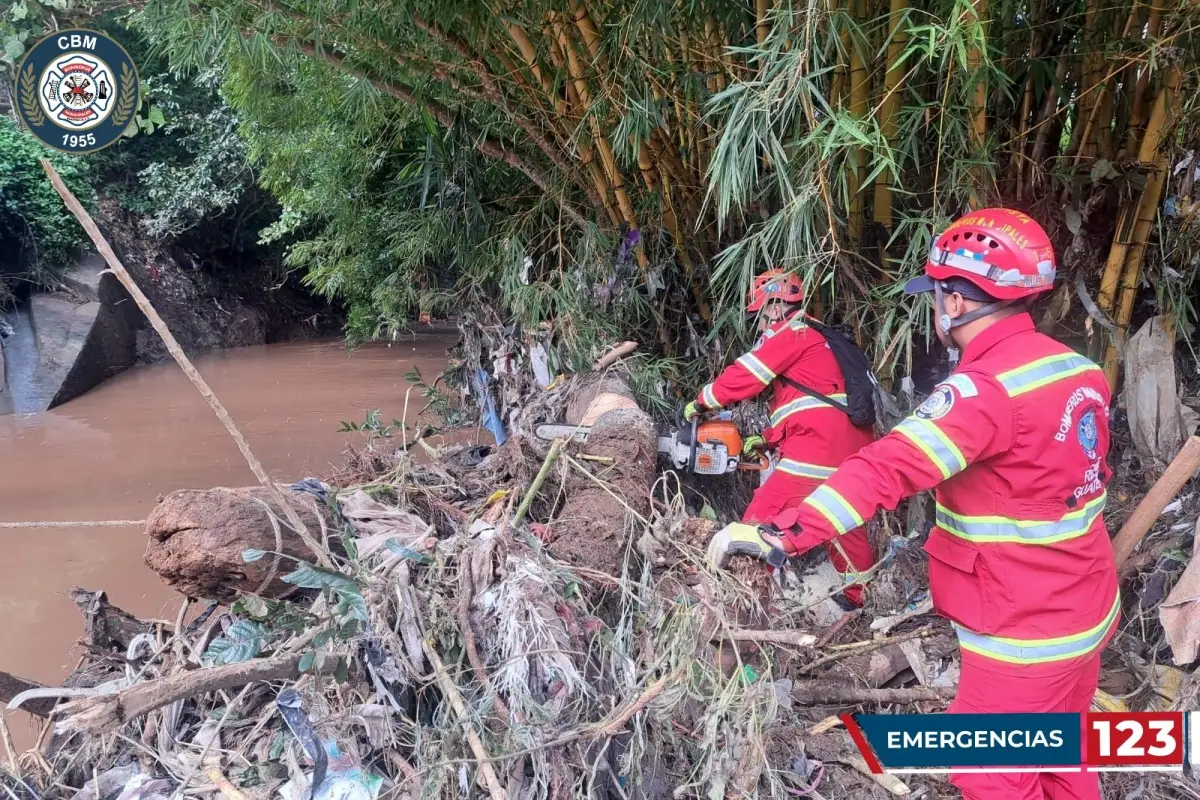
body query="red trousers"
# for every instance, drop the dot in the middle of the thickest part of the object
(990, 687)
(781, 492)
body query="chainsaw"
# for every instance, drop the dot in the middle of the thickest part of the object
(711, 447)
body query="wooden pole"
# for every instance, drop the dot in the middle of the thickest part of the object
(1177, 473)
(185, 364)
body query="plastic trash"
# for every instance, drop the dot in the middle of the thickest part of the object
(345, 779)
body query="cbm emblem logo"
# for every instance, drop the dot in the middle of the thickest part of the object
(77, 91)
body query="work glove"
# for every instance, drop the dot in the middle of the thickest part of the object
(752, 444)
(739, 538)
(690, 411)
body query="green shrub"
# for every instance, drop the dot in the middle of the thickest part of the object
(32, 215)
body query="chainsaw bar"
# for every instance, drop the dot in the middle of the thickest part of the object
(580, 433)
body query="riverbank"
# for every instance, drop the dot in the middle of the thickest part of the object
(110, 453)
(63, 340)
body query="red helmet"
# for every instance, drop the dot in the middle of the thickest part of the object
(1001, 251)
(775, 284)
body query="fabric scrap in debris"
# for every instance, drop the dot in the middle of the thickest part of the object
(318, 489)
(1180, 613)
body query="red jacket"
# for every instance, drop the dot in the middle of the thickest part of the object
(1016, 442)
(812, 436)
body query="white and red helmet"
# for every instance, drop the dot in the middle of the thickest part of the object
(1003, 252)
(774, 284)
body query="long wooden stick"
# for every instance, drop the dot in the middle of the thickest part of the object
(450, 690)
(108, 712)
(181, 358)
(1177, 473)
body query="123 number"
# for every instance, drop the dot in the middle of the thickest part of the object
(1135, 738)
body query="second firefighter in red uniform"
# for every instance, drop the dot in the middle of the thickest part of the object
(810, 436)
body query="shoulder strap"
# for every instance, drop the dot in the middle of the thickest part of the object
(810, 391)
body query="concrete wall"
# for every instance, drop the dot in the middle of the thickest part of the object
(73, 341)
(110, 344)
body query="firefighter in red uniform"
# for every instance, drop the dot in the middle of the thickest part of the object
(812, 437)
(1015, 440)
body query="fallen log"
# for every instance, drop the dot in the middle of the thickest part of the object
(1178, 472)
(825, 693)
(196, 538)
(592, 529)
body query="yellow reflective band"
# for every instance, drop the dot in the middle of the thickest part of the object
(1039, 651)
(803, 404)
(1044, 372)
(803, 470)
(935, 444)
(757, 368)
(708, 399)
(833, 507)
(1004, 530)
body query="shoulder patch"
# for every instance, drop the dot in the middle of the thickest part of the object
(938, 404)
(963, 383)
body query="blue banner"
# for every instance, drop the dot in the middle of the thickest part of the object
(914, 741)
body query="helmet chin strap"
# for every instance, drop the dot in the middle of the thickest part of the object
(946, 324)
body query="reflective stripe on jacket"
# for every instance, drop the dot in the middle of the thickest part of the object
(812, 436)
(1016, 444)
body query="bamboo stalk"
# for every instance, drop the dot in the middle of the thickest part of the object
(1137, 108)
(1043, 125)
(459, 704)
(761, 27)
(607, 158)
(888, 122)
(160, 327)
(1147, 210)
(860, 82)
(529, 53)
(591, 38)
(552, 456)
(1178, 472)
(1125, 235)
(978, 109)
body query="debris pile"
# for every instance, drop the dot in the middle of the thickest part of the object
(522, 622)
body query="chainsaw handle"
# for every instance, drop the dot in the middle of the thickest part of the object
(692, 446)
(763, 463)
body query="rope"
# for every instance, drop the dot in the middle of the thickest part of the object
(108, 523)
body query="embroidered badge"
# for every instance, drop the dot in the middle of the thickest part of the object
(938, 404)
(1085, 429)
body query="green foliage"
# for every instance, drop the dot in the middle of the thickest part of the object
(447, 156)
(23, 23)
(204, 168)
(32, 215)
(436, 400)
(242, 641)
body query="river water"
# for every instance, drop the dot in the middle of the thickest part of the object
(108, 455)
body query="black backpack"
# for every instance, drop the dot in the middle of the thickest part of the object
(861, 385)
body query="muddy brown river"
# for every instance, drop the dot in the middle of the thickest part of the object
(109, 454)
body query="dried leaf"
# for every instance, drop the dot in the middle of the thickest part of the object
(1074, 220)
